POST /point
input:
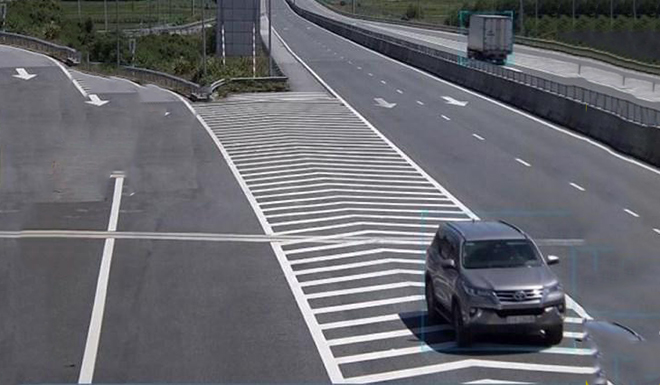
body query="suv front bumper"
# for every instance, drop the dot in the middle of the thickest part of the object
(511, 319)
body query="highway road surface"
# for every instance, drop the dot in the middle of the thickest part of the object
(632, 85)
(280, 238)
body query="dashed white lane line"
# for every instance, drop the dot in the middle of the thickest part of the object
(445, 117)
(657, 230)
(383, 81)
(634, 214)
(577, 186)
(478, 137)
(399, 91)
(420, 103)
(523, 162)
(370, 74)
(350, 62)
(95, 324)
(359, 68)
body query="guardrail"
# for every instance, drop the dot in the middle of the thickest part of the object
(590, 53)
(625, 126)
(63, 53)
(178, 29)
(619, 107)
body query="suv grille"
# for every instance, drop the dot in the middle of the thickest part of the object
(519, 295)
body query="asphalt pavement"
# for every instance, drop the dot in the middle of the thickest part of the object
(502, 163)
(84, 153)
(642, 88)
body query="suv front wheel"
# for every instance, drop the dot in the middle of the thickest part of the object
(463, 334)
(553, 336)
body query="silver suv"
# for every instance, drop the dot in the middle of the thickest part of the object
(491, 277)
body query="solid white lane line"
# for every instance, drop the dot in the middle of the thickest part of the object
(420, 103)
(445, 117)
(345, 203)
(96, 322)
(415, 236)
(465, 364)
(339, 171)
(368, 304)
(357, 277)
(356, 265)
(573, 320)
(478, 137)
(327, 358)
(386, 335)
(302, 182)
(383, 81)
(364, 289)
(426, 348)
(340, 184)
(322, 191)
(574, 335)
(523, 162)
(367, 209)
(399, 91)
(342, 196)
(634, 214)
(370, 225)
(353, 254)
(361, 220)
(577, 186)
(371, 320)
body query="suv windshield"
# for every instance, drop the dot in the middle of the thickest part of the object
(499, 254)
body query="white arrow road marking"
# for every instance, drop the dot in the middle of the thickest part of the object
(380, 102)
(23, 74)
(96, 101)
(454, 102)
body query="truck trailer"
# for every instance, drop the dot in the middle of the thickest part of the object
(490, 38)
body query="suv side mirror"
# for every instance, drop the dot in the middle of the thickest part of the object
(552, 259)
(448, 263)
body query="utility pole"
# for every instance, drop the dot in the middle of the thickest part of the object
(536, 11)
(117, 27)
(105, 7)
(635, 9)
(192, 8)
(573, 13)
(522, 21)
(353, 6)
(270, 39)
(203, 38)
(611, 13)
(3, 15)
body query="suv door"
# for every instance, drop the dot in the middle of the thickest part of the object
(446, 274)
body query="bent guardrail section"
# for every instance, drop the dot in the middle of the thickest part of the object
(63, 53)
(621, 124)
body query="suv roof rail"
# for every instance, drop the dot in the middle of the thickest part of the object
(518, 229)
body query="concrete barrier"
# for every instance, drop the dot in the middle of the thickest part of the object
(611, 127)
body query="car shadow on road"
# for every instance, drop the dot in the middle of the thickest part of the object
(439, 336)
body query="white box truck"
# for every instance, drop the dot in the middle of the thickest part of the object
(490, 38)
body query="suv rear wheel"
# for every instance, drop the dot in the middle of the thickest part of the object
(430, 302)
(553, 336)
(463, 334)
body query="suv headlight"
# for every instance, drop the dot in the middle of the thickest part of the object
(477, 292)
(553, 288)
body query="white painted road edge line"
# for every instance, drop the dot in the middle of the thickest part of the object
(577, 186)
(95, 324)
(331, 366)
(523, 162)
(634, 214)
(498, 103)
